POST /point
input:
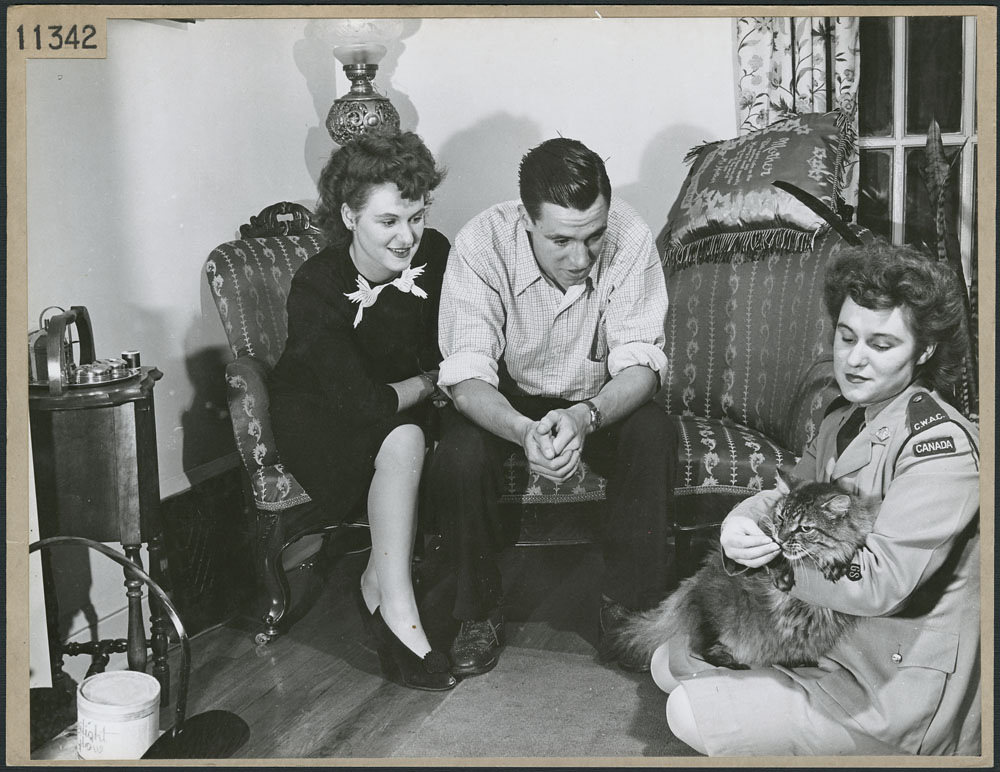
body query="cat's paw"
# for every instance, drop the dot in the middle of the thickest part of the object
(797, 662)
(718, 654)
(835, 572)
(783, 577)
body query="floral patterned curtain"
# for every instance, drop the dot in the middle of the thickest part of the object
(800, 64)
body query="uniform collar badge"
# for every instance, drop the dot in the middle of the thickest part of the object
(883, 434)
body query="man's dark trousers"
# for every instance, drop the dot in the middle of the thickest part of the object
(636, 455)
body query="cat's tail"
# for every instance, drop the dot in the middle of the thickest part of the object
(638, 638)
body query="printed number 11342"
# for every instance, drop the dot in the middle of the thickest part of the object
(56, 37)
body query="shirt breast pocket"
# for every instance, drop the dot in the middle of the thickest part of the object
(599, 342)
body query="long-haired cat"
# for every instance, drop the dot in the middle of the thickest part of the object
(748, 619)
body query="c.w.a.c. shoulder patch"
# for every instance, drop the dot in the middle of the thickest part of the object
(923, 412)
(934, 446)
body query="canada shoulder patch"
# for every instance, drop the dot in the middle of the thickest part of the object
(934, 446)
(923, 412)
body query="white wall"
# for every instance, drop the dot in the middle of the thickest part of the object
(140, 163)
(640, 92)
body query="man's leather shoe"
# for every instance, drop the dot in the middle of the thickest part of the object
(609, 623)
(477, 646)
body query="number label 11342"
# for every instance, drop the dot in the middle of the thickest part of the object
(56, 37)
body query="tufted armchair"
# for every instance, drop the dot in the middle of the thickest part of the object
(249, 279)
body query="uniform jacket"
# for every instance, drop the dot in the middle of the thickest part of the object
(909, 673)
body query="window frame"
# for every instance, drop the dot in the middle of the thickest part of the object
(900, 141)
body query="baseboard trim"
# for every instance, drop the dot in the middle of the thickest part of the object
(108, 623)
(182, 483)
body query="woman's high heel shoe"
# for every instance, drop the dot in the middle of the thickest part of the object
(366, 615)
(430, 673)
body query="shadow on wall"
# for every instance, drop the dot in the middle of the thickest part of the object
(72, 580)
(192, 423)
(408, 117)
(661, 172)
(314, 57)
(207, 429)
(315, 60)
(482, 163)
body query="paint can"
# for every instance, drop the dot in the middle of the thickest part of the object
(117, 715)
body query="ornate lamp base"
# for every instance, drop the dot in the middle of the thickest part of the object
(362, 110)
(351, 117)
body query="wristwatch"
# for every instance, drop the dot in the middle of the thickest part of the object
(595, 415)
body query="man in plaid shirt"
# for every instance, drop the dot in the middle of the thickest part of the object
(551, 328)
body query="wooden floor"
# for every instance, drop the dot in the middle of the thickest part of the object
(317, 691)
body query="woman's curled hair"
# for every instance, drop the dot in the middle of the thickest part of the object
(881, 276)
(365, 162)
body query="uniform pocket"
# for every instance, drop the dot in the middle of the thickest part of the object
(891, 679)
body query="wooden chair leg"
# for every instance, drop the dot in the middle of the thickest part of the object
(158, 623)
(136, 633)
(276, 531)
(271, 539)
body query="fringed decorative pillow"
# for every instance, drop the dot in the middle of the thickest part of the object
(727, 203)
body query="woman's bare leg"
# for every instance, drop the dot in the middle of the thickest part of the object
(392, 516)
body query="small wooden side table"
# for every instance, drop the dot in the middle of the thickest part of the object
(96, 476)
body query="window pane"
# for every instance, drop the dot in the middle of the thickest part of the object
(875, 176)
(875, 82)
(934, 73)
(918, 219)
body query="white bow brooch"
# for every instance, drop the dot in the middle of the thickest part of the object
(367, 295)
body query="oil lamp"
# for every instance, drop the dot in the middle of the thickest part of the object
(362, 110)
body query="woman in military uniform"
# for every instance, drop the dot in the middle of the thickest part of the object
(906, 679)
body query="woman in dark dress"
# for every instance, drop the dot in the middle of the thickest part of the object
(351, 395)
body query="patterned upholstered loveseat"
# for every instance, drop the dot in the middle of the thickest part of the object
(750, 350)
(748, 342)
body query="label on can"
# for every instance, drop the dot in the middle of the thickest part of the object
(117, 715)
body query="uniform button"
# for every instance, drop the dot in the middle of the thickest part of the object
(896, 658)
(918, 398)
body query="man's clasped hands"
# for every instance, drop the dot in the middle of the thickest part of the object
(554, 444)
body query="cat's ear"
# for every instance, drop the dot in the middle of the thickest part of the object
(787, 482)
(839, 504)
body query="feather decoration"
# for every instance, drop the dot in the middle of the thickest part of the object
(936, 172)
(821, 209)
